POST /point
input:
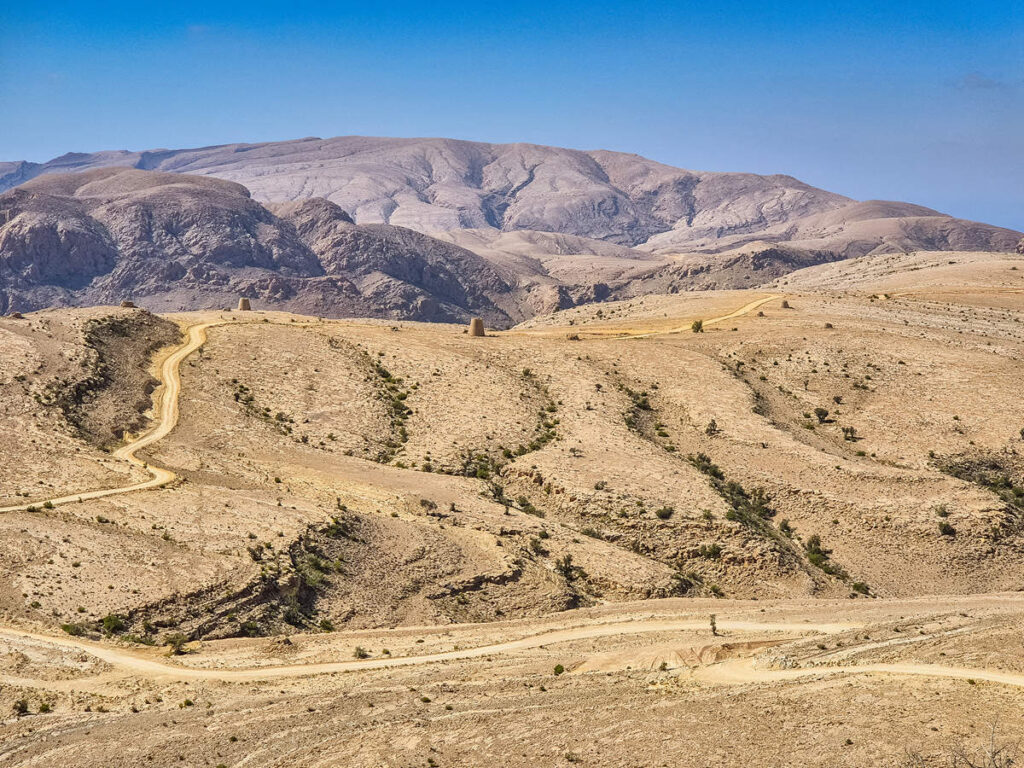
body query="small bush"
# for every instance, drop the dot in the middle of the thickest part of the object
(710, 551)
(566, 569)
(559, 669)
(113, 623)
(176, 643)
(946, 529)
(697, 326)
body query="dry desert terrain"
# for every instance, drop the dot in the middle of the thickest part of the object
(254, 538)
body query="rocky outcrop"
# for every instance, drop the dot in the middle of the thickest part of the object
(174, 241)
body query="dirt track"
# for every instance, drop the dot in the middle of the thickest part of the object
(730, 671)
(621, 333)
(745, 309)
(168, 419)
(736, 670)
(140, 664)
(167, 394)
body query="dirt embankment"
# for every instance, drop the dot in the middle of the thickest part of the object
(114, 390)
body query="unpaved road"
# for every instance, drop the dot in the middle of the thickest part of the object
(745, 309)
(732, 671)
(613, 332)
(745, 671)
(144, 664)
(167, 417)
(170, 378)
(166, 420)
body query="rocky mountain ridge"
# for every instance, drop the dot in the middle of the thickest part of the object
(426, 229)
(437, 184)
(175, 241)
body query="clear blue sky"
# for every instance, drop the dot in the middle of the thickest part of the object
(920, 101)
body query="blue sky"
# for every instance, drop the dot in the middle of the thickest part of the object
(918, 101)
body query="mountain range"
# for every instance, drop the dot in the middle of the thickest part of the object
(433, 229)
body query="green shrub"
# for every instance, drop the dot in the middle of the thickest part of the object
(112, 623)
(710, 551)
(565, 567)
(176, 643)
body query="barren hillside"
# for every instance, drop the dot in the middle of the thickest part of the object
(440, 184)
(174, 242)
(595, 514)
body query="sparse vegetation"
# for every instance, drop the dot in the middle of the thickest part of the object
(176, 643)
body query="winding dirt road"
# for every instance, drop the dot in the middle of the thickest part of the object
(167, 419)
(613, 332)
(731, 671)
(143, 664)
(167, 410)
(741, 670)
(745, 309)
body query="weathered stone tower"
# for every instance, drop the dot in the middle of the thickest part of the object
(243, 304)
(476, 327)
